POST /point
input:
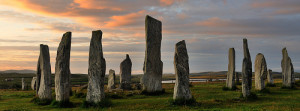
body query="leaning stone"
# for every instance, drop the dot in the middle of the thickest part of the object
(125, 73)
(246, 71)
(44, 87)
(23, 84)
(111, 80)
(288, 79)
(260, 71)
(33, 83)
(153, 66)
(96, 71)
(182, 71)
(230, 81)
(270, 77)
(62, 69)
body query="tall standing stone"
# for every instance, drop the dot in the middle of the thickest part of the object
(38, 73)
(44, 70)
(111, 80)
(33, 83)
(246, 70)
(153, 66)
(62, 69)
(288, 78)
(237, 78)
(260, 71)
(96, 71)
(230, 81)
(23, 84)
(125, 73)
(270, 77)
(182, 71)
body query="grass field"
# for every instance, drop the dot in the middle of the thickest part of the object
(209, 96)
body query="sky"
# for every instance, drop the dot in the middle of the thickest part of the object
(209, 27)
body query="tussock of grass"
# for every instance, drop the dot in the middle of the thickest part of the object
(62, 104)
(270, 85)
(157, 93)
(224, 88)
(189, 102)
(265, 90)
(79, 95)
(104, 103)
(114, 96)
(292, 87)
(39, 101)
(251, 97)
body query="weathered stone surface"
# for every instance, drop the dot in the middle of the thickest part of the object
(38, 74)
(182, 71)
(230, 81)
(125, 73)
(237, 78)
(23, 84)
(44, 70)
(260, 71)
(62, 69)
(246, 70)
(270, 77)
(33, 83)
(97, 67)
(111, 80)
(153, 66)
(288, 78)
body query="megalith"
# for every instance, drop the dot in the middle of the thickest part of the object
(44, 74)
(153, 66)
(62, 68)
(125, 73)
(33, 83)
(288, 78)
(270, 77)
(182, 71)
(246, 70)
(111, 80)
(230, 81)
(23, 84)
(260, 71)
(96, 71)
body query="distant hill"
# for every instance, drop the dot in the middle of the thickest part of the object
(19, 71)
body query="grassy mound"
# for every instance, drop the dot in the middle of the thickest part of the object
(189, 102)
(62, 104)
(39, 101)
(157, 93)
(104, 103)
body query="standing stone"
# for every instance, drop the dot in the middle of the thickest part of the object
(270, 77)
(38, 73)
(44, 70)
(153, 66)
(97, 67)
(62, 69)
(230, 81)
(23, 84)
(111, 80)
(125, 73)
(246, 71)
(237, 78)
(182, 71)
(288, 78)
(33, 83)
(260, 71)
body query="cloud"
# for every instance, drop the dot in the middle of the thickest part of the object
(279, 6)
(166, 2)
(126, 20)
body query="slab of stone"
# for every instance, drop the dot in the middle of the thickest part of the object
(23, 84)
(125, 73)
(62, 69)
(44, 68)
(182, 71)
(260, 71)
(96, 71)
(111, 80)
(246, 71)
(270, 77)
(153, 66)
(288, 79)
(33, 83)
(230, 81)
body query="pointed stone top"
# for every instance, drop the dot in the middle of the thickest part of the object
(259, 54)
(127, 56)
(149, 18)
(97, 31)
(111, 71)
(180, 43)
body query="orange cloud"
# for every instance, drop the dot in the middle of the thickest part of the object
(166, 2)
(96, 4)
(213, 22)
(125, 19)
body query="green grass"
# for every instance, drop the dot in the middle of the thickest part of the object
(209, 96)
